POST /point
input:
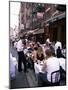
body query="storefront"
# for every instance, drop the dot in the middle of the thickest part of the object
(39, 35)
(57, 29)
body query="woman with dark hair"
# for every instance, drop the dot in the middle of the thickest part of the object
(40, 55)
(34, 54)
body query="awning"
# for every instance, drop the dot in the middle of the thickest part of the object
(58, 17)
(38, 31)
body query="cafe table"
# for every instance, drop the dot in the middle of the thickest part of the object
(38, 66)
(62, 63)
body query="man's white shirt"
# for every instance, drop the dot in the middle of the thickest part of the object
(19, 46)
(53, 64)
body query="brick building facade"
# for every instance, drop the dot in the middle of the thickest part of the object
(50, 17)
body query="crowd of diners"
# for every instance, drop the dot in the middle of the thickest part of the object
(30, 52)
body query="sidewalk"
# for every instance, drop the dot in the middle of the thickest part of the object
(20, 81)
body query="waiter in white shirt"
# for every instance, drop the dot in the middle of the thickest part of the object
(21, 56)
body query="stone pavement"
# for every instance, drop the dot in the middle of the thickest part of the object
(20, 81)
(24, 80)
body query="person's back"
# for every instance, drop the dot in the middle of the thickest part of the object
(51, 66)
(40, 54)
(40, 57)
(34, 54)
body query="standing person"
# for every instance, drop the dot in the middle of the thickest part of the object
(58, 52)
(58, 44)
(21, 56)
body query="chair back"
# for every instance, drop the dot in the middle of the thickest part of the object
(55, 76)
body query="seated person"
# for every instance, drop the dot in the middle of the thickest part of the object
(50, 65)
(30, 48)
(40, 55)
(34, 54)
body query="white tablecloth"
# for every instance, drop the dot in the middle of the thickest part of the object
(62, 63)
(38, 67)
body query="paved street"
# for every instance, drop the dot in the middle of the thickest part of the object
(22, 80)
(25, 80)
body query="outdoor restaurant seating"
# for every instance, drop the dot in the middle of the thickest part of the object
(57, 78)
(54, 82)
(62, 74)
